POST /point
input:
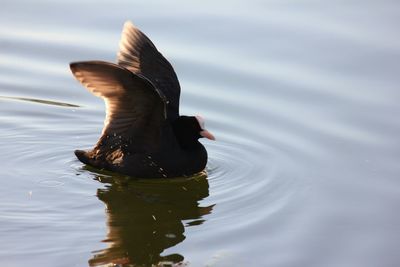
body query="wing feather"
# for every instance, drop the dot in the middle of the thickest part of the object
(135, 109)
(139, 55)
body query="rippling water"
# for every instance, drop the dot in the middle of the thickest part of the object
(302, 96)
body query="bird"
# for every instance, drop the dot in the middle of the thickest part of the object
(144, 135)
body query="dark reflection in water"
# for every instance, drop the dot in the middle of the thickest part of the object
(144, 217)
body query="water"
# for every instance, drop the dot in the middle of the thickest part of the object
(301, 95)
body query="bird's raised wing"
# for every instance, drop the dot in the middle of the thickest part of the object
(135, 109)
(139, 55)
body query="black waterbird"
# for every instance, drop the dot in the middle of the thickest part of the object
(143, 135)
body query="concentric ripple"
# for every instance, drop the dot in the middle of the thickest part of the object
(245, 177)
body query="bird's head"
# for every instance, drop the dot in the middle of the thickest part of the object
(188, 129)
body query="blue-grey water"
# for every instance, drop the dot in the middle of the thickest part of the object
(301, 95)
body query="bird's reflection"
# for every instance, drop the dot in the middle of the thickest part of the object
(144, 217)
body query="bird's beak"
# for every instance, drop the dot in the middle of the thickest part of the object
(207, 135)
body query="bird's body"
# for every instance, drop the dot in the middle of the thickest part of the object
(122, 154)
(143, 135)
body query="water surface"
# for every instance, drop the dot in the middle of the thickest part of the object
(302, 96)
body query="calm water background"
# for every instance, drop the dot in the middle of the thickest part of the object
(302, 96)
